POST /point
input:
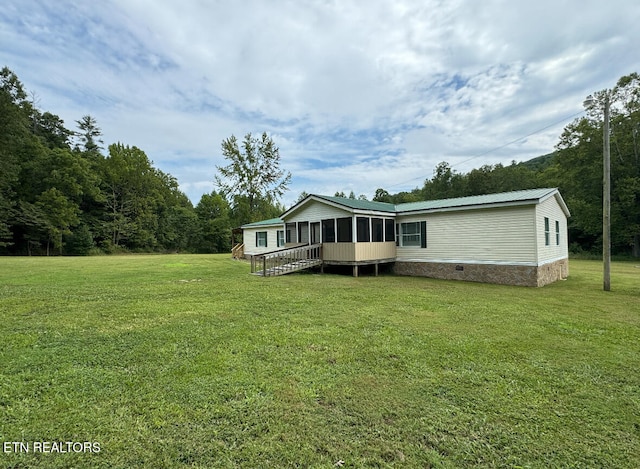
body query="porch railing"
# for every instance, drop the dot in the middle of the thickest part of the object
(286, 260)
(237, 252)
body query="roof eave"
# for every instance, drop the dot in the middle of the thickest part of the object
(261, 225)
(318, 198)
(395, 211)
(308, 199)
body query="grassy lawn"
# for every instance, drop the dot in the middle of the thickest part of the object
(189, 361)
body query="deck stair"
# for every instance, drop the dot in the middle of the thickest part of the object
(286, 261)
(237, 252)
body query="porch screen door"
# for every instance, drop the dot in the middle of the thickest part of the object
(315, 233)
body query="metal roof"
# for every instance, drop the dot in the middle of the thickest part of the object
(358, 204)
(270, 221)
(531, 195)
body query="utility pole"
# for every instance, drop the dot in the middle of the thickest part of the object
(606, 197)
(606, 189)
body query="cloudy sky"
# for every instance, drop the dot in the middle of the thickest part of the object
(357, 95)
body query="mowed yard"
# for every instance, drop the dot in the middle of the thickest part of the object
(190, 361)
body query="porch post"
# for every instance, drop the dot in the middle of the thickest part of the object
(354, 229)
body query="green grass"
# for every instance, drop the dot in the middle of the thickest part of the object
(190, 361)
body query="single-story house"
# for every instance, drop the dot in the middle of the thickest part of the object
(514, 238)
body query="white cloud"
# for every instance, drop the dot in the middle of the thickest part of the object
(357, 95)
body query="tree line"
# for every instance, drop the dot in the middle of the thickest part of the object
(61, 192)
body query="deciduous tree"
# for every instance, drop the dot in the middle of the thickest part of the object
(579, 169)
(253, 173)
(214, 233)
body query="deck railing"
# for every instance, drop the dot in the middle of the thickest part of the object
(237, 252)
(286, 260)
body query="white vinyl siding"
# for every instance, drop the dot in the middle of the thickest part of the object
(556, 248)
(316, 211)
(501, 235)
(249, 237)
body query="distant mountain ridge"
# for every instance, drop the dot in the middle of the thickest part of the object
(540, 163)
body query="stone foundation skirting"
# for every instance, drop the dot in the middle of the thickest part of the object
(527, 276)
(552, 272)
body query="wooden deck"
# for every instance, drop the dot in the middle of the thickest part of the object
(289, 260)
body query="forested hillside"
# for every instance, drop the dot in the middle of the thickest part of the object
(575, 167)
(62, 192)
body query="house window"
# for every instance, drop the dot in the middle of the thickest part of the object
(328, 231)
(377, 230)
(261, 239)
(557, 233)
(290, 232)
(345, 230)
(362, 227)
(410, 234)
(280, 237)
(413, 234)
(389, 230)
(547, 239)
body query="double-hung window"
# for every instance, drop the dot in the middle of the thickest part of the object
(557, 233)
(413, 234)
(547, 234)
(261, 239)
(280, 238)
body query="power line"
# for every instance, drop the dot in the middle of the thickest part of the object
(500, 147)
